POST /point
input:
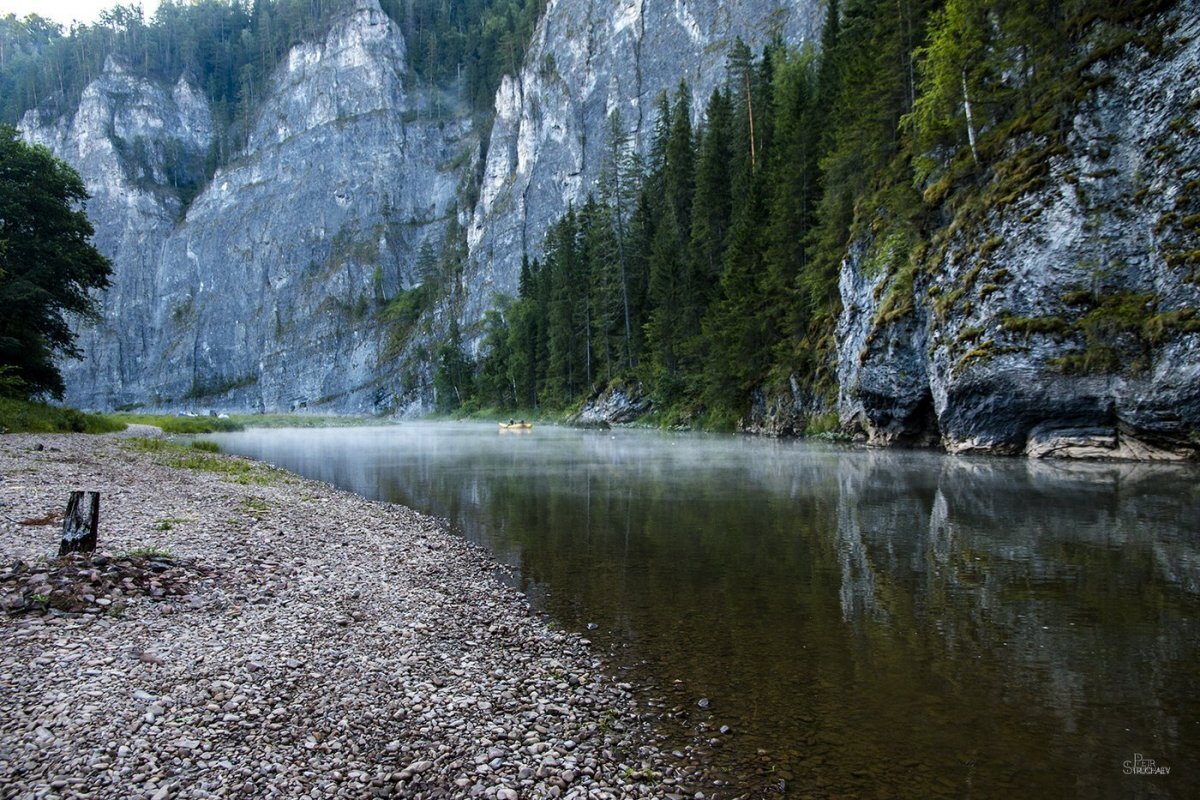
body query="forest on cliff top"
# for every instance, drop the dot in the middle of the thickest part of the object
(708, 271)
(705, 266)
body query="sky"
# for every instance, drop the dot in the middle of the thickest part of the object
(65, 11)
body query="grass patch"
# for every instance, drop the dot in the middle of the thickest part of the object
(148, 551)
(23, 416)
(180, 425)
(821, 424)
(168, 523)
(172, 454)
(718, 419)
(238, 422)
(206, 447)
(254, 505)
(302, 421)
(501, 415)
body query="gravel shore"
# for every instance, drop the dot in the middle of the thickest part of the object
(243, 632)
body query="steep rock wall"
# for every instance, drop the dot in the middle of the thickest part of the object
(588, 59)
(121, 138)
(264, 294)
(1067, 325)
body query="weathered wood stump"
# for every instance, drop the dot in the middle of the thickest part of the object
(81, 523)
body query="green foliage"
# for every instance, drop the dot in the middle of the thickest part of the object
(48, 266)
(401, 315)
(178, 456)
(180, 425)
(1116, 332)
(24, 416)
(1111, 332)
(822, 424)
(468, 42)
(150, 550)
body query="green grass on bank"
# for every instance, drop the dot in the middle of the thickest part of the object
(499, 415)
(23, 416)
(236, 422)
(182, 425)
(306, 421)
(201, 456)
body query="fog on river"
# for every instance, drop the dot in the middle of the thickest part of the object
(860, 620)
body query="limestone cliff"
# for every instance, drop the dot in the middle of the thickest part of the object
(588, 59)
(1067, 324)
(261, 293)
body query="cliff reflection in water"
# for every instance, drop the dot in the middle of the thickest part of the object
(863, 621)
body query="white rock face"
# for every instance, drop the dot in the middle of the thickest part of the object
(122, 138)
(1105, 224)
(263, 294)
(260, 291)
(588, 59)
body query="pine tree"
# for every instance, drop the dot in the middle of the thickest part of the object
(739, 70)
(713, 202)
(526, 320)
(453, 378)
(792, 183)
(567, 312)
(619, 181)
(495, 387)
(674, 319)
(600, 254)
(738, 325)
(954, 67)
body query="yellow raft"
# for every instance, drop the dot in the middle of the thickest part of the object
(516, 426)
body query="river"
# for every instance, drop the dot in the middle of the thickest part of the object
(861, 623)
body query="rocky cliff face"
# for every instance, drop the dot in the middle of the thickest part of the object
(1065, 325)
(1068, 324)
(588, 59)
(262, 292)
(123, 138)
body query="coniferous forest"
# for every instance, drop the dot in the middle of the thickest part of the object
(703, 266)
(709, 268)
(230, 48)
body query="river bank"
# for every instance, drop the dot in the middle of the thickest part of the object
(288, 640)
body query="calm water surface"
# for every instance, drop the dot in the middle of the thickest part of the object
(867, 623)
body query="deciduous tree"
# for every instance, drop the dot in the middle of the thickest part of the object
(48, 265)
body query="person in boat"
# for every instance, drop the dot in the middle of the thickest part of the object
(510, 421)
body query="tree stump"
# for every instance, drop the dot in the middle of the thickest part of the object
(81, 523)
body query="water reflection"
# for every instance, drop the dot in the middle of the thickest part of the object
(867, 623)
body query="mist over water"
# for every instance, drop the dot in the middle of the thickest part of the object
(866, 623)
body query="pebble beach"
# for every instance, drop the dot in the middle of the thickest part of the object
(243, 632)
